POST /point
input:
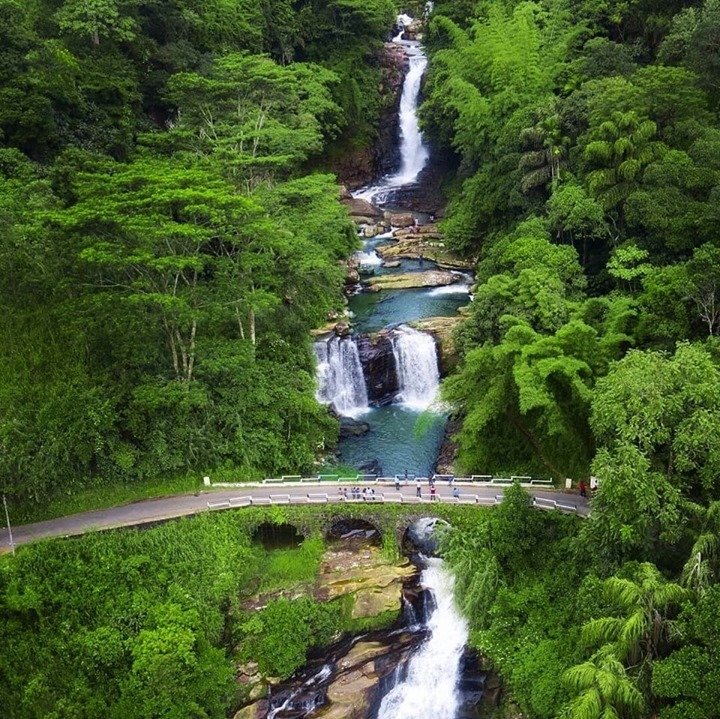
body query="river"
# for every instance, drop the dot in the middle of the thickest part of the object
(406, 422)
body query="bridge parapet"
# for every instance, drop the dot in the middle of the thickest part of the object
(480, 480)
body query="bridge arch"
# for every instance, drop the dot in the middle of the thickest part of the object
(341, 526)
(274, 535)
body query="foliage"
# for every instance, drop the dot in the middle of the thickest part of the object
(166, 250)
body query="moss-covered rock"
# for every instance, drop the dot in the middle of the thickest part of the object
(442, 329)
(412, 280)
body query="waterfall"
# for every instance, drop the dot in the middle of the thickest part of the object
(340, 377)
(413, 152)
(369, 258)
(417, 367)
(430, 687)
(402, 22)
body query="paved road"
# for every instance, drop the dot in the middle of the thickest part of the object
(154, 510)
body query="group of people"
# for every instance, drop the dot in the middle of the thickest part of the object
(366, 493)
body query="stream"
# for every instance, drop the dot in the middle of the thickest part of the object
(405, 417)
(421, 670)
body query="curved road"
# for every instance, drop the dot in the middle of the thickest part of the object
(156, 510)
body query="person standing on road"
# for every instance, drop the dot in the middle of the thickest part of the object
(418, 488)
(397, 483)
(456, 492)
(432, 492)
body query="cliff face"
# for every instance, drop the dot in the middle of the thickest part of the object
(378, 361)
(357, 166)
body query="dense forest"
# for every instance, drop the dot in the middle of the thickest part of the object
(167, 243)
(173, 232)
(587, 149)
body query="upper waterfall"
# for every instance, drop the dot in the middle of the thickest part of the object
(340, 378)
(417, 367)
(414, 153)
(430, 688)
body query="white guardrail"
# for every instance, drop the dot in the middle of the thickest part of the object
(480, 480)
(378, 498)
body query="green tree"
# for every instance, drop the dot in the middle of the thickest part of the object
(603, 690)
(619, 151)
(98, 19)
(645, 602)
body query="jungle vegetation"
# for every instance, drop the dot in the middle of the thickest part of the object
(167, 244)
(586, 141)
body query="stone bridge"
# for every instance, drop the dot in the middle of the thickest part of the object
(402, 507)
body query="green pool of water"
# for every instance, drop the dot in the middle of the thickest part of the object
(374, 310)
(400, 439)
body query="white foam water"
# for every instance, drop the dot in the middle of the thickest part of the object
(369, 259)
(430, 687)
(417, 368)
(340, 378)
(456, 289)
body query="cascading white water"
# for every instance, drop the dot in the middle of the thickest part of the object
(430, 687)
(417, 367)
(369, 258)
(340, 377)
(402, 22)
(413, 152)
(289, 701)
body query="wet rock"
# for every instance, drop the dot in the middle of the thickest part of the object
(342, 329)
(423, 534)
(370, 231)
(392, 264)
(350, 427)
(371, 466)
(361, 209)
(410, 280)
(378, 363)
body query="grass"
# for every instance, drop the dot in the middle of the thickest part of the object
(289, 567)
(101, 497)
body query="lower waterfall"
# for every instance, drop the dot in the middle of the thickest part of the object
(429, 689)
(341, 382)
(417, 367)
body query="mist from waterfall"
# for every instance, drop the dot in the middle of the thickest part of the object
(430, 687)
(417, 367)
(340, 378)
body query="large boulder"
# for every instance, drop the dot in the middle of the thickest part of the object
(362, 209)
(350, 427)
(402, 219)
(423, 534)
(378, 362)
